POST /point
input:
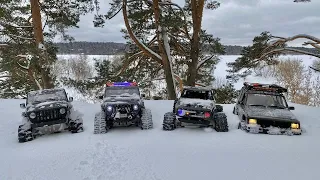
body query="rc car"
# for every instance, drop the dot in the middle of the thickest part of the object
(262, 108)
(46, 111)
(122, 105)
(196, 107)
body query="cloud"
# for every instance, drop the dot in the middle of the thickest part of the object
(235, 22)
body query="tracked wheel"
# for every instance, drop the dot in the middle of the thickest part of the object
(169, 121)
(25, 134)
(100, 125)
(146, 119)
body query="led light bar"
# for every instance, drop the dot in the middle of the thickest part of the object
(121, 84)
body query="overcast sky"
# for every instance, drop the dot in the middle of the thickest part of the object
(235, 22)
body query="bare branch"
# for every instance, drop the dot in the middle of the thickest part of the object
(288, 49)
(316, 45)
(127, 62)
(2, 23)
(203, 61)
(36, 81)
(142, 47)
(318, 70)
(115, 13)
(20, 37)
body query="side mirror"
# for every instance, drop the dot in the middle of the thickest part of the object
(70, 99)
(219, 108)
(100, 97)
(143, 95)
(22, 105)
(291, 108)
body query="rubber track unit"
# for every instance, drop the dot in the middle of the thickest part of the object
(100, 123)
(75, 126)
(146, 119)
(25, 135)
(169, 121)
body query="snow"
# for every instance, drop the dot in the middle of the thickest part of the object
(186, 153)
(196, 102)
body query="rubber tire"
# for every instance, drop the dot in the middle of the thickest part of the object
(221, 122)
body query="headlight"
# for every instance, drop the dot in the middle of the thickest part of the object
(62, 110)
(109, 108)
(32, 115)
(252, 121)
(294, 126)
(135, 107)
(180, 112)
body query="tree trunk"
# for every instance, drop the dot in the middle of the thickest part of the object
(38, 34)
(197, 12)
(164, 48)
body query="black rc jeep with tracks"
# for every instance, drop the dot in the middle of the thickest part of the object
(47, 111)
(196, 107)
(262, 108)
(122, 106)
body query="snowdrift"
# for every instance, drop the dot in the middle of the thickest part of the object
(183, 154)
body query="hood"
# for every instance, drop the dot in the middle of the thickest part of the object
(122, 99)
(196, 103)
(47, 105)
(256, 111)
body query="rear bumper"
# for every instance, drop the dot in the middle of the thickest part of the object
(256, 128)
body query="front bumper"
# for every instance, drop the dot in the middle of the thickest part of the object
(193, 120)
(256, 128)
(48, 123)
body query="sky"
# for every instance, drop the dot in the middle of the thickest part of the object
(235, 22)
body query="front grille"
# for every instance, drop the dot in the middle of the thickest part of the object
(267, 123)
(123, 108)
(48, 115)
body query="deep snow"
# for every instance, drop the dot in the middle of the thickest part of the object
(186, 153)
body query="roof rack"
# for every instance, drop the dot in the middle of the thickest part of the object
(265, 87)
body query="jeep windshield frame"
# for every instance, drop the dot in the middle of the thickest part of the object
(266, 99)
(121, 91)
(36, 97)
(197, 94)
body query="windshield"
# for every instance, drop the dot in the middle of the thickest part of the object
(122, 91)
(266, 100)
(44, 96)
(206, 95)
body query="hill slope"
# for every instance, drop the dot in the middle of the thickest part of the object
(186, 154)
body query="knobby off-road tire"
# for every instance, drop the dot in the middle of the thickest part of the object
(169, 121)
(75, 126)
(24, 134)
(146, 119)
(100, 125)
(221, 122)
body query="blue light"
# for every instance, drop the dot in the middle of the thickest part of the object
(180, 112)
(121, 84)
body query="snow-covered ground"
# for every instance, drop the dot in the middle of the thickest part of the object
(133, 154)
(183, 154)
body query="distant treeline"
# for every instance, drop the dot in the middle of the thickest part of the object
(111, 48)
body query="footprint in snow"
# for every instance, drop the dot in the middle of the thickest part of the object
(104, 162)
